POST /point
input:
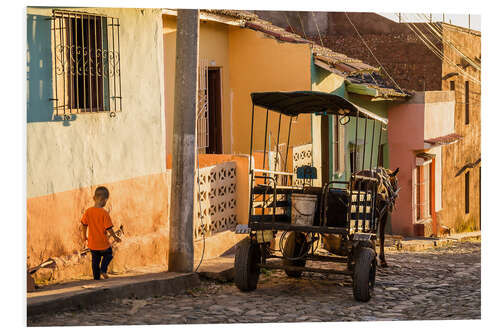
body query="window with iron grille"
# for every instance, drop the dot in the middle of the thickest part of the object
(202, 130)
(86, 63)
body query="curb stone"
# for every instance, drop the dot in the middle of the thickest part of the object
(95, 293)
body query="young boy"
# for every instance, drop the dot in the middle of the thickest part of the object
(98, 222)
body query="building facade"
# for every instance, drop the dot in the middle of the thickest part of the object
(95, 102)
(421, 57)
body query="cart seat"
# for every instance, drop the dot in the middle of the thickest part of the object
(337, 207)
(361, 217)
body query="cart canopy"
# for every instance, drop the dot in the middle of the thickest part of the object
(298, 102)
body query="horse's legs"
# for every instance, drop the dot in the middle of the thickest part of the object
(381, 256)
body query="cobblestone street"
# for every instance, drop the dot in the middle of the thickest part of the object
(439, 283)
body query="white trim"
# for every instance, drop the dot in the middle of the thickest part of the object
(421, 162)
(209, 17)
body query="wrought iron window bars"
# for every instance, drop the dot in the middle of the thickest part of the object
(86, 62)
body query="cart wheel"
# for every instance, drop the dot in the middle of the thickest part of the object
(246, 271)
(363, 279)
(292, 249)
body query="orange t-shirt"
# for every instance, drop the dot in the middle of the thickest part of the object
(97, 220)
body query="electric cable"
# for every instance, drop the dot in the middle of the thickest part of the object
(359, 35)
(288, 22)
(437, 51)
(438, 32)
(302, 25)
(425, 40)
(317, 28)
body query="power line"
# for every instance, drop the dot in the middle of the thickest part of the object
(359, 35)
(450, 43)
(317, 28)
(288, 22)
(437, 30)
(436, 50)
(302, 25)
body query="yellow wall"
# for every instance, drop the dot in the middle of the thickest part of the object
(260, 63)
(250, 62)
(213, 48)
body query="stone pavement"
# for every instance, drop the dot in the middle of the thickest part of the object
(80, 294)
(435, 283)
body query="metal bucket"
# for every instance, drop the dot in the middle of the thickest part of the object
(303, 208)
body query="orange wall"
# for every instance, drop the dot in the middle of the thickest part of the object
(53, 225)
(260, 63)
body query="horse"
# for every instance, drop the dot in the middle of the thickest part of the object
(387, 193)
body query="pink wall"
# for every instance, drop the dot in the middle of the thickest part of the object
(405, 134)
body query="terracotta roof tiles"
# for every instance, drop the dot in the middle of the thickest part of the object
(444, 140)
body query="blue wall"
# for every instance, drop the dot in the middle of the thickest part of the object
(39, 69)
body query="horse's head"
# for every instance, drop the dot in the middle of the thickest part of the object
(388, 183)
(393, 180)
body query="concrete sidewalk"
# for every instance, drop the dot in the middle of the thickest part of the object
(422, 243)
(81, 294)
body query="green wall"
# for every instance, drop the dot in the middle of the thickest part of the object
(322, 80)
(380, 109)
(325, 81)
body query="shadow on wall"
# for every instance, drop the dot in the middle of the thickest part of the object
(40, 71)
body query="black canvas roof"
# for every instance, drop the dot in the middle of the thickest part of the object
(300, 102)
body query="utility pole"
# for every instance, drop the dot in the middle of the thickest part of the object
(180, 256)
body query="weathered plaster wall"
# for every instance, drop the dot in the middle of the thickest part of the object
(94, 148)
(439, 114)
(67, 160)
(213, 48)
(467, 150)
(260, 63)
(54, 225)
